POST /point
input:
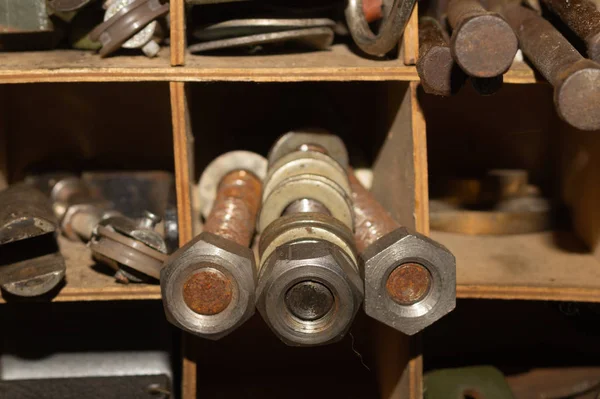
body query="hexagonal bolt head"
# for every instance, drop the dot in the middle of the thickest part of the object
(293, 283)
(208, 286)
(398, 292)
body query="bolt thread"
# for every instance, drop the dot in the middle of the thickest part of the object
(233, 215)
(371, 220)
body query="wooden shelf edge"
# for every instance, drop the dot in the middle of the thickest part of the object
(184, 74)
(574, 294)
(119, 293)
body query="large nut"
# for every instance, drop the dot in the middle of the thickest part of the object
(208, 286)
(309, 292)
(410, 281)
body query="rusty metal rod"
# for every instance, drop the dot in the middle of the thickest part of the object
(576, 80)
(482, 43)
(234, 211)
(583, 17)
(438, 72)
(408, 282)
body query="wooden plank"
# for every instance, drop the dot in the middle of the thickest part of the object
(87, 280)
(400, 184)
(410, 39)
(184, 162)
(3, 138)
(539, 266)
(177, 20)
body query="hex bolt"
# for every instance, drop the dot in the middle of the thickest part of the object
(410, 280)
(209, 291)
(576, 80)
(309, 287)
(583, 17)
(482, 43)
(438, 72)
(208, 285)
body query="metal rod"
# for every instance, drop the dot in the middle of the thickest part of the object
(234, 211)
(482, 43)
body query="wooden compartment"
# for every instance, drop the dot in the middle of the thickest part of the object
(542, 348)
(86, 127)
(372, 361)
(518, 128)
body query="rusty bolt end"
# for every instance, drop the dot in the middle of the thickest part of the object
(207, 292)
(409, 283)
(577, 99)
(484, 46)
(439, 73)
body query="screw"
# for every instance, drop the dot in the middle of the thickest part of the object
(408, 284)
(149, 220)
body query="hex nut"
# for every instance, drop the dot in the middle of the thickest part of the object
(208, 250)
(396, 248)
(316, 261)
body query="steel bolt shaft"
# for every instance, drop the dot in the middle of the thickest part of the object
(408, 283)
(482, 43)
(232, 217)
(583, 17)
(576, 80)
(438, 72)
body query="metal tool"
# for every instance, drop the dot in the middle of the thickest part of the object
(130, 24)
(482, 42)
(583, 17)
(397, 13)
(309, 287)
(208, 286)
(576, 80)
(505, 201)
(438, 71)
(410, 280)
(30, 264)
(130, 247)
(316, 33)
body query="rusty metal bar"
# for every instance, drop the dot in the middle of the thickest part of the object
(233, 215)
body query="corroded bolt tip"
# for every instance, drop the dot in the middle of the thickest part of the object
(578, 97)
(207, 292)
(309, 300)
(484, 46)
(438, 72)
(408, 283)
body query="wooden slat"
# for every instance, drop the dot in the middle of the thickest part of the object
(539, 266)
(184, 161)
(3, 140)
(410, 40)
(177, 20)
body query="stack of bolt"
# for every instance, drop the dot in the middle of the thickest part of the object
(410, 280)
(208, 285)
(485, 38)
(309, 286)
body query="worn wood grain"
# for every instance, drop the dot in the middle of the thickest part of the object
(177, 20)
(410, 40)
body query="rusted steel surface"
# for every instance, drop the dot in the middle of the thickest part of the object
(233, 215)
(576, 80)
(371, 220)
(482, 43)
(208, 292)
(373, 10)
(408, 283)
(583, 17)
(438, 72)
